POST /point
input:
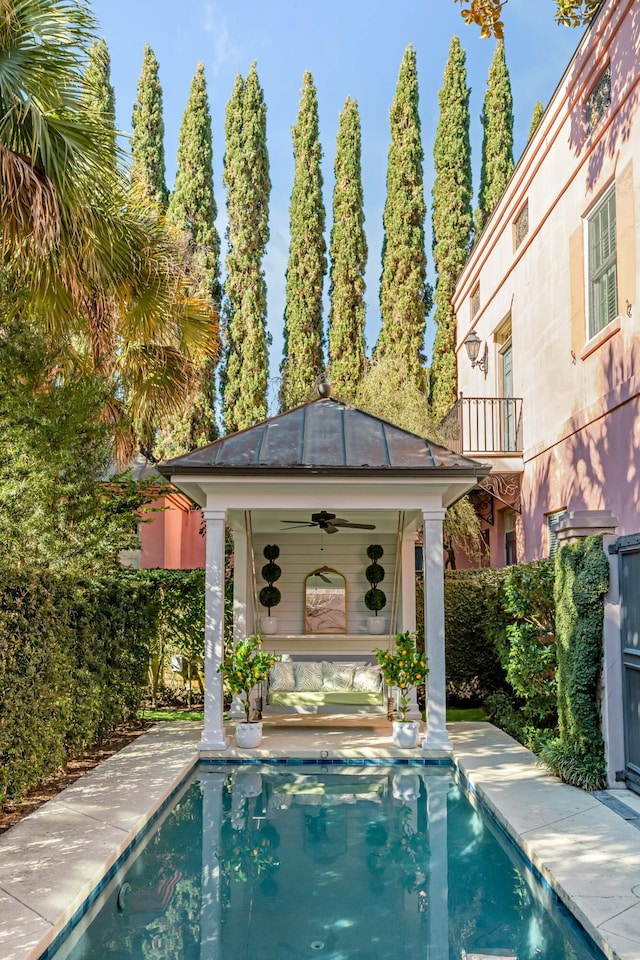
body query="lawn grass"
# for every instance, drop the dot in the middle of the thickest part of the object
(467, 713)
(170, 715)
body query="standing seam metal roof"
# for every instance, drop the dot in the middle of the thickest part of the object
(323, 435)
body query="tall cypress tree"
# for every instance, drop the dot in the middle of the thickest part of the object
(192, 207)
(99, 93)
(348, 260)
(536, 117)
(302, 360)
(452, 221)
(403, 292)
(246, 177)
(497, 140)
(147, 141)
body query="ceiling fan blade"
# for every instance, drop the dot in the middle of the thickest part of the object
(296, 526)
(354, 526)
(328, 528)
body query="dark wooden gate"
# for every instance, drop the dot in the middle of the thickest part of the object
(628, 550)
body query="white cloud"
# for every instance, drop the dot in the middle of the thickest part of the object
(225, 51)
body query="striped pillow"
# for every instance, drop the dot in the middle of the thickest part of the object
(281, 677)
(308, 676)
(337, 676)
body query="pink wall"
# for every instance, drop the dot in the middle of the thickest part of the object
(171, 539)
(581, 394)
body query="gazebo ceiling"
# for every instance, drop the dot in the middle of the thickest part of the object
(323, 437)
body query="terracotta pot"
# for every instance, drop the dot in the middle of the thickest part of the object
(406, 733)
(248, 734)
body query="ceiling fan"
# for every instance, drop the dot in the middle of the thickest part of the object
(328, 523)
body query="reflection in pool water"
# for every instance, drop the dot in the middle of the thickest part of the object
(356, 863)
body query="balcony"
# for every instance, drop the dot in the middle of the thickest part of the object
(487, 426)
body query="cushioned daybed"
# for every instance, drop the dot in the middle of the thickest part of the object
(309, 686)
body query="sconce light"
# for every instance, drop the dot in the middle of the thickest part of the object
(472, 344)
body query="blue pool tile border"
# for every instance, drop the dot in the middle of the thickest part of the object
(465, 783)
(331, 761)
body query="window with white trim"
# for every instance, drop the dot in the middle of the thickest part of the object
(603, 276)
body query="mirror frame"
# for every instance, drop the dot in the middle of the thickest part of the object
(314, 573)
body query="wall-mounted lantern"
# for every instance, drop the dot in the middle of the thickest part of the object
(472, 345)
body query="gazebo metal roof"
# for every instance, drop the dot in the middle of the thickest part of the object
(325, 436)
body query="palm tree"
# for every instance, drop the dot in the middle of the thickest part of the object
(84, 253)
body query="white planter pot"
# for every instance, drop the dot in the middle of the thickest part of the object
(249, 782)
(248, 734)
(406, 787)
(376, 625)
(406, 733)
(269, 625)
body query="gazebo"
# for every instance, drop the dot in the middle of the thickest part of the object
(271, 481)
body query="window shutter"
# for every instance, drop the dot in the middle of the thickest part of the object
(552, 522)
(576, 271)
(626, 237)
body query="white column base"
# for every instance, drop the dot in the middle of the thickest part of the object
(437, 743)
(216, 745)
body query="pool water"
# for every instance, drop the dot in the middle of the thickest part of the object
(334, 863)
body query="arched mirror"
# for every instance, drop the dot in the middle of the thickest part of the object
(325, 602)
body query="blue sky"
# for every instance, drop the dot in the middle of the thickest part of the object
(352, 48)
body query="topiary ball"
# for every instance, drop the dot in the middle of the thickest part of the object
(374, 574)
(271, 572)
(270, 597)
(374, 552)
(375, 600)
(271, 551)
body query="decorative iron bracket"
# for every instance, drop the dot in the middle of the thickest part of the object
(504, 487)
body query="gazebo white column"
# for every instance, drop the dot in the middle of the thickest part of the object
(240, 605)
(213, 737)
(408, 582)
(436, 736)
(210, 900)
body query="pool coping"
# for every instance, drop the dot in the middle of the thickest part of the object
(52, 861)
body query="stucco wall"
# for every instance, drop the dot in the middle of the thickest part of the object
(580, 420)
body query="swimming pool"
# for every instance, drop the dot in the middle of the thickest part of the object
(270, 862)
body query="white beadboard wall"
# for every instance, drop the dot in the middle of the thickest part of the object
(300, 555)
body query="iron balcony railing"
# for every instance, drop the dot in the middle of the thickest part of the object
(491, 425)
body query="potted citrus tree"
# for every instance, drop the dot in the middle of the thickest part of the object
(244, 667)
(375, 599)
(404, 667)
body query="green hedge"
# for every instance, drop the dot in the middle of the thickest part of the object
(582, 580)
(500, 646)
(73, 664)
(472, 616)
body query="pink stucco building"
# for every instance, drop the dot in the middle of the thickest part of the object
(549, 295)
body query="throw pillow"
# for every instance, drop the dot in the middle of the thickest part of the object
(367, 679)
(308, 676)
(337, 676)
(281, 678)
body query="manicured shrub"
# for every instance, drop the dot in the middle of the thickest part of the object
(582, 579)
(375, 599)
(270, 596)
(73, 664)
(472, 618)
